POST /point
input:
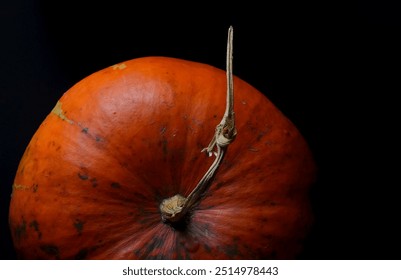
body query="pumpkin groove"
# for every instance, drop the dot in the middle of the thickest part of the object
(127, 137)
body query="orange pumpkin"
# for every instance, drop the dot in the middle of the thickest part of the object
(118, 143)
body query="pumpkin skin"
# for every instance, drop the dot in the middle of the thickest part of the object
(91, 180)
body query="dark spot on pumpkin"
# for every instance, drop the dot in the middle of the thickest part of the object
(268, 237)
(207, 248)
(137, 252)
(200, 146)
(271, 203)
(163, 129)
(228, 164)
(219, 185)
(98, 138)
(187, 255)
(190, 244)
(251, 127)
(51, 250)
(232, 250)
(94, 182)
(115, 185)
(206, 207)
(179, 255)
(154, 244)
(79, 226)
(20, 231)
(35, 225)
(35, 188)
(164, 146)
(81, 255)
(273, 255)
(156, 257)
(146, 220)
(158, 242)
(140, 196)
(179, 249)
(85, 130)
(263, 133)
(83, 176)
(58, 148)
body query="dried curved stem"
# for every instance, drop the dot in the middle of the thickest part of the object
(173, 209)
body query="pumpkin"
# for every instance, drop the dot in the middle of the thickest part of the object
(106, 171)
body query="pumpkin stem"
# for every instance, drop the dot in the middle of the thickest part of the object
(173, 209)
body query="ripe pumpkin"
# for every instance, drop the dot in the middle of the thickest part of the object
(92, 180)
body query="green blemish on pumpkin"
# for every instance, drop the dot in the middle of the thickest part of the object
(85, 130)
(58, 111)
(35, 225)
(20, 187)
(79, 226)
(119, 66)
(51, 250)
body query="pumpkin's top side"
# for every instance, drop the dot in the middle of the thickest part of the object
(123, 139)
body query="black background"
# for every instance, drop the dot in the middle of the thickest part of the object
(332, 70)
